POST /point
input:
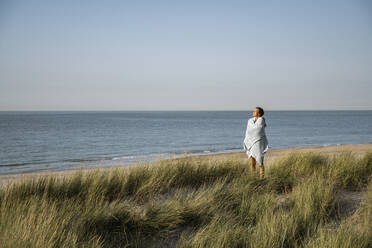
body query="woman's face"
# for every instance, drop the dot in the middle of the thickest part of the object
(255, 113)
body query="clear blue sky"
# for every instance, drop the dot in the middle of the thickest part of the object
(185, 55)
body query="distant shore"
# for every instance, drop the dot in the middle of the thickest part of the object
(271, 155)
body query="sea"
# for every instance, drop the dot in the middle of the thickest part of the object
(33, 141)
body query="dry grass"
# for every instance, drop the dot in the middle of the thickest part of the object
(193, 202)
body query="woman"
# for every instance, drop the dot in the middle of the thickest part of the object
(255, 142)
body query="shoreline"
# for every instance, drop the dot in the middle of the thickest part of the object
(270, 155)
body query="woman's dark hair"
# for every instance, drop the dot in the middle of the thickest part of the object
(260, 111)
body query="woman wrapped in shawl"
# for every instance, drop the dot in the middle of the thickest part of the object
(255, 143)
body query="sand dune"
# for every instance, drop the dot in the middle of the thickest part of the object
(271, 155)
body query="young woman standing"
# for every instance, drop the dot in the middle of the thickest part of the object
(255, 142)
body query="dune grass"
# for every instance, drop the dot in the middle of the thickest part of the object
(188, 202)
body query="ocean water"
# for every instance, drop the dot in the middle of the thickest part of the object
(36, 141)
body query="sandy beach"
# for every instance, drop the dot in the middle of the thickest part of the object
(271, 155)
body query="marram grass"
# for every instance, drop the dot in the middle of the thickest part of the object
(188, 202)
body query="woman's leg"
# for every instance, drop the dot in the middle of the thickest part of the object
(253, 164)
(262, 169)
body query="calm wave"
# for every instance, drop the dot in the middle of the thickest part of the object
(35, 141)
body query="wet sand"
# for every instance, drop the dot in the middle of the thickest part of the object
(271, 155)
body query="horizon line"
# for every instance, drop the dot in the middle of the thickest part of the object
(181, 110)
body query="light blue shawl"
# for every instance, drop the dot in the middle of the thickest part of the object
(255, 141)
